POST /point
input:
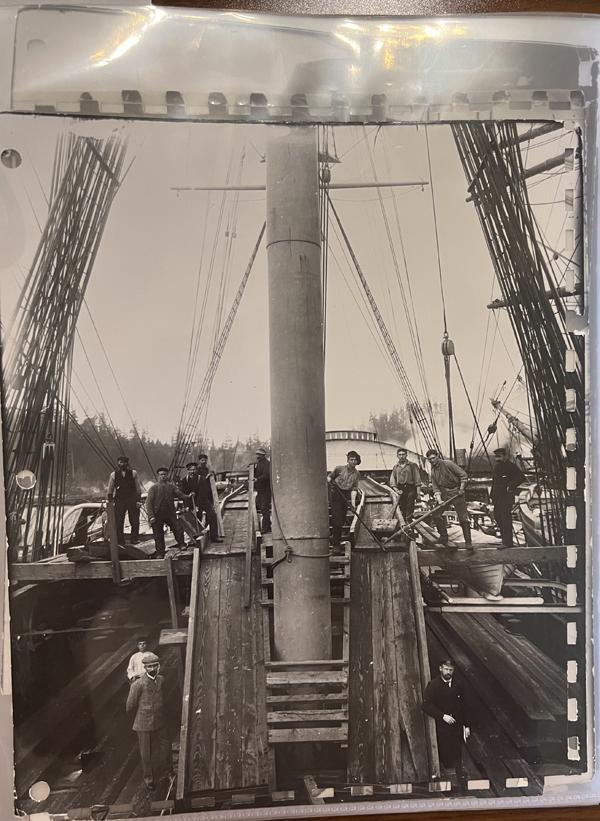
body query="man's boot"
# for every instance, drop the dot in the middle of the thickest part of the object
(466, 529)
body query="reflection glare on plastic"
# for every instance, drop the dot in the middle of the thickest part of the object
(26, 479)
(10, 158)
(39, 791)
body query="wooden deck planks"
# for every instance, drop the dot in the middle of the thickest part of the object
(387, 739)
(228, 735)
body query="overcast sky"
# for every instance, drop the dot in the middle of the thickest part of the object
(158, 241)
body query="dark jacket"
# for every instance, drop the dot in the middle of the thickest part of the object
(440, 700)
(145, 703)
(162, 494)
(262, 475)
(507, 477)
(199, 486)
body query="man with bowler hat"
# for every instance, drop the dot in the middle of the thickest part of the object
(146, 704)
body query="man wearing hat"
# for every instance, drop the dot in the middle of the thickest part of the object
(160, 506)
(196, 485)
(343, 482)
(506, 478)
(262, 485)
(405, 481)
(146, 704)
(449, 480)
(125, 488)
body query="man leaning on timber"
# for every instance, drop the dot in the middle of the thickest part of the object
(405, 481)
(444, 701)
(197, 485)
(146, 704)
(343, 481)
(449, 481)
(125, 488)
(506, 479)
(160, 506)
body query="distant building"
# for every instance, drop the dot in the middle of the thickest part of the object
(378, 458)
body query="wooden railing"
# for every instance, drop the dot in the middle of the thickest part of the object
(252, 538)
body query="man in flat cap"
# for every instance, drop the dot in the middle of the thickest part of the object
(196, 485)
(146, 705)
(262, 485)
(125, 488)
(343, 482)
(506, 479)
(160, 506)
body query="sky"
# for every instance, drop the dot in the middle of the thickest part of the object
(165, 250)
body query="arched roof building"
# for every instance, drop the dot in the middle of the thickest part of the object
(377, 456)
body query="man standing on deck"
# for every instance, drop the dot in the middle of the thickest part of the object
(449, 480)
(135, 668)
(343, 481)
(405, 481)
(506, 479)
(124, 487)
(146, 704)
(444, 700)
(197, 485)
(160, 506)
(262, 485)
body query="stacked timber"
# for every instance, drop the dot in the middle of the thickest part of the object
(518, 695)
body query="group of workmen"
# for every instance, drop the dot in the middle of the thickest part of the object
(444, 700)
(448, 481)
(195, 490)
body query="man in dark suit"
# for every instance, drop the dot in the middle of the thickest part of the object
(444, 700)
(197, 484)
(147, 706)
(262, 485)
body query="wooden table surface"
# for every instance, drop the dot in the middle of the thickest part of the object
(427, 7)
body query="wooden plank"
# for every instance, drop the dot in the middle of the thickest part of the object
(431, 736)
(308, 697)
(504, 608)
(444, 557)
(170, 636)
(204, 708)
(361, 724)
(415, 762)
(297, 716)
(111, 524)
(193, 626)
(228, 757)
(290, 665)
(292, 678)
(250, 647)
(379, 570)
(303, 734)
(312, 791)
(260, 623)
(499, 661)
(173, 592)
(541, 668)
(131, 569)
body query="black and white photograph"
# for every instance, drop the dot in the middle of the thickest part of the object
(293, 433)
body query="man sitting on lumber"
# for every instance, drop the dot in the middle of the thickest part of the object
(444, 700)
